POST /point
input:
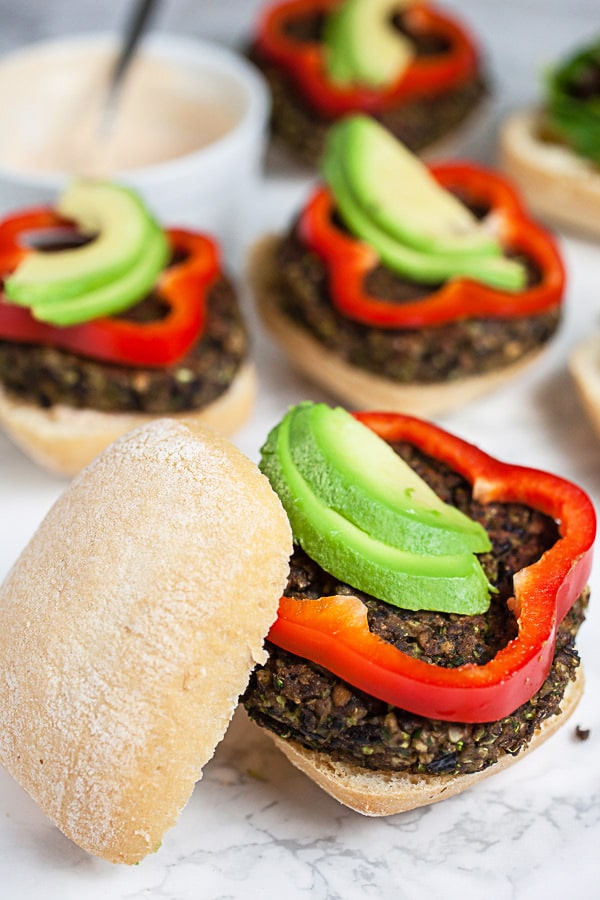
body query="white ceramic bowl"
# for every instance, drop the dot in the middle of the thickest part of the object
(211, 188)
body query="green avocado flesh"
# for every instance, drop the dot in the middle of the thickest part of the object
(339, 65)
(114, 297)
(362, 46)
(395, 180)
(443, 579)
(103, 277)
(385, 497)
(388, 198)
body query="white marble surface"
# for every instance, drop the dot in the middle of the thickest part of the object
(254, 826)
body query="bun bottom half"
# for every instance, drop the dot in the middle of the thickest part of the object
(373, 793)
(357, 387)
(63, 439)
(557, 184)
(584, 365)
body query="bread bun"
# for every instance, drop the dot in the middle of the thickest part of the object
(129, 627)
(357, 387)
(63, 439)
(386, 793)
(556, 183)
(584, 364)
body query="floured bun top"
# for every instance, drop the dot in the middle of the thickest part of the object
(129, 627)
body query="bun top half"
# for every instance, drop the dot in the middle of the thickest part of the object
(129, 627)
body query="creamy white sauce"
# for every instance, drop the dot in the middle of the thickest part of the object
(51, 114)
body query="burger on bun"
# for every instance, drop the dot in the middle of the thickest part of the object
(426, 636)
(405, 288)
(108, 321)
(416, 69)
(553, 152)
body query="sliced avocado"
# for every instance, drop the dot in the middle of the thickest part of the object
(339, 66)
(426, 266)
(122, 226)
(114, 297)
(449, 583)
(359, 476)
(386, 180)
(363, 46)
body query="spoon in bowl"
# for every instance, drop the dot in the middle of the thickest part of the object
(135, 28)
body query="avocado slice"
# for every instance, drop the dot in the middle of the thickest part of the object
(363, 47)
(448, 583)
(363, 216)
(115, 296)
(359, 476)
(395, 180)
(338, 64)
(122, 226)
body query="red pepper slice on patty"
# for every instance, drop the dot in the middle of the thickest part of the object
(182, 287)
(349, 260)
(333, 631)
(304, 62)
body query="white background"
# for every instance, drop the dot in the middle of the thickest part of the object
(255, 827)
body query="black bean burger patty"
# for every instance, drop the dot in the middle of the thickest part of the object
(441, 353)
(418, 123)
(47, 376)
(301, 701)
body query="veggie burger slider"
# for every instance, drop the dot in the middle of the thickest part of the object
(553, 152)
(405, 62)
(425, 638)
(107, 320)
(407, 288)
(421, 626)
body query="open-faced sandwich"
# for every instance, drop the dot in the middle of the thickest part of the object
(107, 320)
(553, 152)
(426, 636)
(406, 62)
(408, 288)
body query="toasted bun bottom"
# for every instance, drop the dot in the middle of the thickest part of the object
(386, 793)
(584, 364)
(128, 631)
(556, 183)
(354, 386)
(63, 439)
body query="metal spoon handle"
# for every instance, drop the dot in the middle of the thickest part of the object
(136, 26)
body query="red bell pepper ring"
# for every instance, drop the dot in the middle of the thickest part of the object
(333, 631)
(349, 260)
(183, 288)
(305, 65)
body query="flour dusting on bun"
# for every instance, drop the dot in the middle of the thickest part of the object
(129, 627)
